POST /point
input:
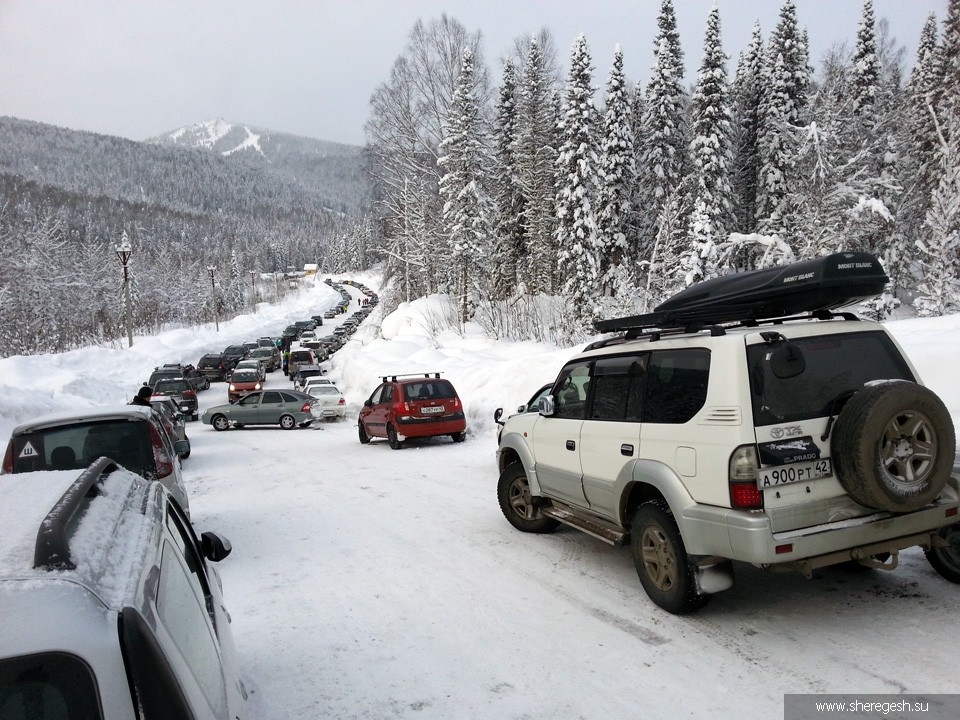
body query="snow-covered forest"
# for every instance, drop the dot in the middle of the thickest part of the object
(611, 200)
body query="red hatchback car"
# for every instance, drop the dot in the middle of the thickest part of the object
(242, 382)
(405, 406)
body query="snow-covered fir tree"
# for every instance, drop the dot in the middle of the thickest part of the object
(865, 73)
(747, 94)
(535, 156)
(663, 139)
(710, 151)
(579, 254)
(616, 226)
(508, 251)
(467, 208)
(784, 91)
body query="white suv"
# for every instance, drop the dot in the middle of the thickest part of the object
(110, 607)
(722, 427)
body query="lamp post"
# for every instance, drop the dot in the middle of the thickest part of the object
(253, 281)
(124, 251)
(213, 294)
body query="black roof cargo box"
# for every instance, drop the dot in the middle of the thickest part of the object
(818, 284)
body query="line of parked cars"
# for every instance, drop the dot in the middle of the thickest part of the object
(312, 397)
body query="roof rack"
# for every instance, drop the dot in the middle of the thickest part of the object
(393, 378)
(810, 286)
(52, 549)
(715, 330)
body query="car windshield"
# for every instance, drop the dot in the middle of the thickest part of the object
(835, 366)
(262, 353)
(210, 360)
(429, 390)
(318, 390)
(235, 350)
(168, 386)
(246, 376)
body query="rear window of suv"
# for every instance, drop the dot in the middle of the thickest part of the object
(835, 367)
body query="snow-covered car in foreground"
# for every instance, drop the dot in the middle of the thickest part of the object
(111, 606)
(286, 408)
(742, 420)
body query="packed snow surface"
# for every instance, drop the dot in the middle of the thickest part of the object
(371, 583)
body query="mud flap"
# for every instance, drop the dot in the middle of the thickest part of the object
(712, 575)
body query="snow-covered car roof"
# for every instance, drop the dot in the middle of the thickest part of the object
(105, 412)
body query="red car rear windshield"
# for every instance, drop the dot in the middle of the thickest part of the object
(429, 390)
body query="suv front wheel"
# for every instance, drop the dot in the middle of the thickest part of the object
(519, 507)
(661, 560)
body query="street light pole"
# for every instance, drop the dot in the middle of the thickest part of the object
(253, 281)
(124, 251)
(213, 294)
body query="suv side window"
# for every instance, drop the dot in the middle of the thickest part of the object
(676, 385)
(618, 384)
(570, 391)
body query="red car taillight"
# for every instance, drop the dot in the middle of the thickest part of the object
(342, 401)
(306, 407)
(190, 394)
(162, 460)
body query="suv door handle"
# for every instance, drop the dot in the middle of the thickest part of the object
(571, 445)
(626, 449)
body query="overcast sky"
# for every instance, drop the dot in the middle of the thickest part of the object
(137, 68)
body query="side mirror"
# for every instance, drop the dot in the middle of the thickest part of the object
(546, 405)
(497, 414)
(181, 447)
(368, 403)
(214, 547)
(521, 408)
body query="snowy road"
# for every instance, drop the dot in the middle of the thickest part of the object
(371, 583)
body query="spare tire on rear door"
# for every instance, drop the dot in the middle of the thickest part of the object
(893, 446)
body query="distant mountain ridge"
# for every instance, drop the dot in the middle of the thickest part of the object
(318, 164)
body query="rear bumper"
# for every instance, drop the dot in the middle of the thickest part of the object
(430, 427)
(748, 537)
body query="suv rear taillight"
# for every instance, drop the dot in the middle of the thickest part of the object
(744, 492)
(8, 459)
(161, 458)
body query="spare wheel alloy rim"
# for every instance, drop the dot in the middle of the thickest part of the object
(908, 450)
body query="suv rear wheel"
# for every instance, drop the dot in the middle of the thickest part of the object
(661, 560)
(893, 446)
(518, 506)
(362, 432)
(946, 560)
